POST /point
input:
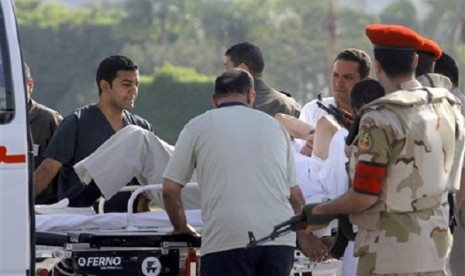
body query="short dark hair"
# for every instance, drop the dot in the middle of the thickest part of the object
(248, 54)
(447, 66)
(233, 81)
(396, 62)
(364, 92)
(425, 63)
(109, 67)
(359, 56)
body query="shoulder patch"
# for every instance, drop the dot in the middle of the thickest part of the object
(365, 142)
(367, 123)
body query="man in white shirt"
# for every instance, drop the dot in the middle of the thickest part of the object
(246, 175)
(350, 66)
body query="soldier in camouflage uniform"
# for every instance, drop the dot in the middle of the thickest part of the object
(406, 158)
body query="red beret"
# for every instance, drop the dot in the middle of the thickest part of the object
(393, 37)
(431, 47)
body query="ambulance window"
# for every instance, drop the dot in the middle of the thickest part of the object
(7, 103)
(2, 87)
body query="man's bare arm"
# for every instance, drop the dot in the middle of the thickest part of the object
(45, 173)
(296, 127)
(324, 132)
(175, 208)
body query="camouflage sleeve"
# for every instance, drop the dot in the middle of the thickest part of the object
(377, 138)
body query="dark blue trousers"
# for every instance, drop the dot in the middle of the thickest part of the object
(262, 260)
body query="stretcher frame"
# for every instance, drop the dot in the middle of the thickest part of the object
(66, 246)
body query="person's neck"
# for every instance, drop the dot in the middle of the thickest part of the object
(233, 99)
(346, 107)
(257, 75)
(395, 83)
(112, 114)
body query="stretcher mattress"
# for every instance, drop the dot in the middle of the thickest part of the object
(156, 220)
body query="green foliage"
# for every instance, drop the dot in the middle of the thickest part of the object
(33, 13)
(171, 97)
(401, 12)
(63, 48)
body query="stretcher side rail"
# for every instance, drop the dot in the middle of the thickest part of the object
(141, 189)
(130, 188)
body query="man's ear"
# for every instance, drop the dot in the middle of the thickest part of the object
(415, 60)
(244, 67)
(251, 94)
(30, 85)
(214, 99)
(104, 85)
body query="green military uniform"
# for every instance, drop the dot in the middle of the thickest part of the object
(417, 135)
(43, 122)
(272, 101)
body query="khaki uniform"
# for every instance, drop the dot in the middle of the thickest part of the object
(418, 135)
(435, 80)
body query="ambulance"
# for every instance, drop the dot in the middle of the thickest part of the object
(16, 156)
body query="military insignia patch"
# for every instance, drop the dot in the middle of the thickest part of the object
(367, 123)
(365, 142)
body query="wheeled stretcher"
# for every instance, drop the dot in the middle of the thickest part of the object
(120, 243)
(73, 241)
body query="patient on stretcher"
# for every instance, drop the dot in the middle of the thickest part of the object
(131, 152)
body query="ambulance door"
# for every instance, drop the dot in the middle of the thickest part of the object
(16, 207)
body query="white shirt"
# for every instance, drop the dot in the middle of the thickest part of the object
(245, 169)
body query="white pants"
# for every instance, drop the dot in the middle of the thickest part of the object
(131, 152)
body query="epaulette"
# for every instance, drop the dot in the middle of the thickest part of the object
(400, 98)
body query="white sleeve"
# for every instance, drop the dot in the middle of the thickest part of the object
(311, 113)
(333, 175)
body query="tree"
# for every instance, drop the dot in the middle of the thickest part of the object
(401, 12)
(171, 97)
(63, 48)
(445, 23)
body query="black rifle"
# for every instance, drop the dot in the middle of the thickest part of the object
(452, 219)
(292, 224)
(344, 234)
(341, 116)
(353, 130)
(278, 230)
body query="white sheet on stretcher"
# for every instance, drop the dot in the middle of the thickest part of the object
(111, 221)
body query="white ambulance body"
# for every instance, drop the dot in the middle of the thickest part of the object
(16, 207)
